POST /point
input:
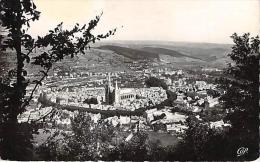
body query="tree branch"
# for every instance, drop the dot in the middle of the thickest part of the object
(30, 51)
(44, 116)
(35, 87)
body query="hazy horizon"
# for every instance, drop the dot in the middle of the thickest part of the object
(197, 21)
(165, 41)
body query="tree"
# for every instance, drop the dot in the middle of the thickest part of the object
(16, 16)
(88, 141)
(134, 149)
(213, 93)
(171, 97)
(201, 142)
(155, 82)
(90, 101)
(241, 97)
(240, 100)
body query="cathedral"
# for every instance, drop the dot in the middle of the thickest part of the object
(115, 95)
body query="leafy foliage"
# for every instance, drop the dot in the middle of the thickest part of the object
(155, 82)
(241, 96)
(87, 141)
(135, 149)
(213, 93)
(171, 97)
(16, 16)
(240, 99)
(90, 101)
(202, 143)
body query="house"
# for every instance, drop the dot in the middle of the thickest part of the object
(173, 127)
(219, 124)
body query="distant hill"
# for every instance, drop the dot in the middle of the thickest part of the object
(202, 51)
(145, 52)
(134, 54)
(165, 51)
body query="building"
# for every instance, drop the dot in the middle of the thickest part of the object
(115, 95)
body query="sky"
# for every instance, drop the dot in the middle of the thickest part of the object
(211, 21)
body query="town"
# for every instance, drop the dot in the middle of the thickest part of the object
(129, 80)
(126, 99)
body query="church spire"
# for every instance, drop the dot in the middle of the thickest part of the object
(116, 93)
(109, 81)
(116, 87)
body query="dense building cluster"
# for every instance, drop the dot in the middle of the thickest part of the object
(113, 92)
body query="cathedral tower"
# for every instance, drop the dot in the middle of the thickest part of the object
(108, 91)
(117, 94)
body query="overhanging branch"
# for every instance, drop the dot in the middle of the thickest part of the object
(27, 101)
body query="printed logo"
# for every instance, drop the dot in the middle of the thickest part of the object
(241, 151)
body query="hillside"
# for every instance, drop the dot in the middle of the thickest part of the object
(111, 56)
(203, 51)
(169, 52)
(131, 53)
